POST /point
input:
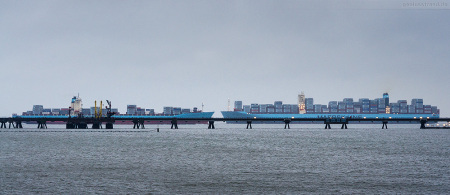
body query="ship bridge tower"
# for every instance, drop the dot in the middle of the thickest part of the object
(76, 105)
(386, 101)
(301, 103)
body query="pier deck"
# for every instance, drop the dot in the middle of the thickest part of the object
(139, 121)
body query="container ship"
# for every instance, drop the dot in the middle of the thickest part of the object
(76, 109)
(347, 108)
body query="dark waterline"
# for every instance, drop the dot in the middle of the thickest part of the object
(230, 159)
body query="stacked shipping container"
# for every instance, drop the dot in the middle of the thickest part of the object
(347, 106)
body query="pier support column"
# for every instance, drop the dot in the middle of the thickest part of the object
(138, 124)
(70, 125)
(211, 125)
(174, 124)
(97, 125)
(384, 124)
(19, 124)
(286, 124)
(42, 124)
(327, 123)
(109, 126)
(249, 124)
(3, 125)
(81, 125)
(422, 124)
(11, 123)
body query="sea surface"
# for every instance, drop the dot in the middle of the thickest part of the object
(306, 159)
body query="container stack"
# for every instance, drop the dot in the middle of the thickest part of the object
(309, 104)
(418, 103)
(176, 111)
(365, 105)
(317, 108)
(238, 106)
(403, 106)
(333, 106)
(167, 110)
(263, 108)
(254, 108)
(341, 107)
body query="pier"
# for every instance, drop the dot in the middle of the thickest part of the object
(139, 121)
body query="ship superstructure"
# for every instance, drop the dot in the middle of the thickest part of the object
(76, 105)
(301, 103)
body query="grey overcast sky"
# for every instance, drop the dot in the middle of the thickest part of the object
(183, 53)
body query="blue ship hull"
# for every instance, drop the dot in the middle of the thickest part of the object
(234, 114)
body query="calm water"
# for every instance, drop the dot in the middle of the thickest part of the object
(229, 159)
